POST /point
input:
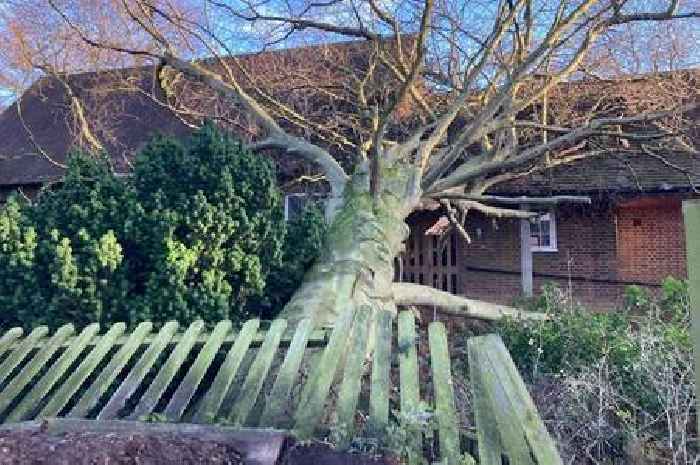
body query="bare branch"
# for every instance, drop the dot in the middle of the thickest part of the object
(478, 168)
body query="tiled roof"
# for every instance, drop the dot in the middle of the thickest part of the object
(126, 107)
(615, 173)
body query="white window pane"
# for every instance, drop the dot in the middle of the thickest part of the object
(543, 231)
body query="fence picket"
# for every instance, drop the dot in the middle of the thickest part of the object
(10, 336)
(380, 382)
(70, 386)
(167, 372)
(286, 377)
(210, 405)
(315, 391)
(21, 351)
(30, 403)
(118, 400)
(179, 401)
(256, 374)
(444, 395)
(408, 376)
(95, 392)
(488, 438)
(510, 390)
(15, 387)
(352, 376)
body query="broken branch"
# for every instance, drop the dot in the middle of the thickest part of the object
(454, 305)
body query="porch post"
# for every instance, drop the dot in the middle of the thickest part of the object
(525, 256)
(691, 212)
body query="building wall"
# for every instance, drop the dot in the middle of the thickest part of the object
(651, 241)
(601, 249)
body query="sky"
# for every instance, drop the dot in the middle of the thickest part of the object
(474, 12)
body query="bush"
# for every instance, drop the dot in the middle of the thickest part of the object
(617, 385)
(571, 339)
(212, 230)
(196, 232)
(302, 246)
(69, 257)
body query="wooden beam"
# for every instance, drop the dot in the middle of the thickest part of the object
(317, 338)
(525, 256)
(691, 213)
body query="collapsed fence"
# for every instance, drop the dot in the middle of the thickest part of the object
(303, 379)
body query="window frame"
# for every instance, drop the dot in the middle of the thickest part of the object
(286, 202)
(310, 196)
(553, 245)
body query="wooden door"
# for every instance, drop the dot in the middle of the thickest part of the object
(430, 259)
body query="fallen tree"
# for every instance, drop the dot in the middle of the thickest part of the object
(435, 104)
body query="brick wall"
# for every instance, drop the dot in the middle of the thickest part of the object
(600, 250)
(651, 239)
(585, 244)
(583, 261)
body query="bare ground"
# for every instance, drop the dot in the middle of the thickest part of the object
(86, 448)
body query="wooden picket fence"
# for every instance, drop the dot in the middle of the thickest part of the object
(257, 378)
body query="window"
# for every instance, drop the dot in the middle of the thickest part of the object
(294, 204)
(543, 233)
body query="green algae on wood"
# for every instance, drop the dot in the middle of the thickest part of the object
(352, 376)
(315, 391)
(10, 336)
(512, 405)
(94, 393)
(445, 409)
(150, 398)
(208, 409)
(257, 374)
(181, 398)
(488, 437)
(15, 387)
(118, 400)
(20, 352)
(287, 375)
(380, 381)
(32, 400)
(73, 383)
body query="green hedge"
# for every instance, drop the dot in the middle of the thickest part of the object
(196, 232)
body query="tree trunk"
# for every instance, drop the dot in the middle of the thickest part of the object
(356, 266)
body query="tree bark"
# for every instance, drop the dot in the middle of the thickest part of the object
(356, 263)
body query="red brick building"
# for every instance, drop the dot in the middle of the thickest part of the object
(624, 237)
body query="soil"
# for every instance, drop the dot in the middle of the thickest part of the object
(40, 448)
(321, 454)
